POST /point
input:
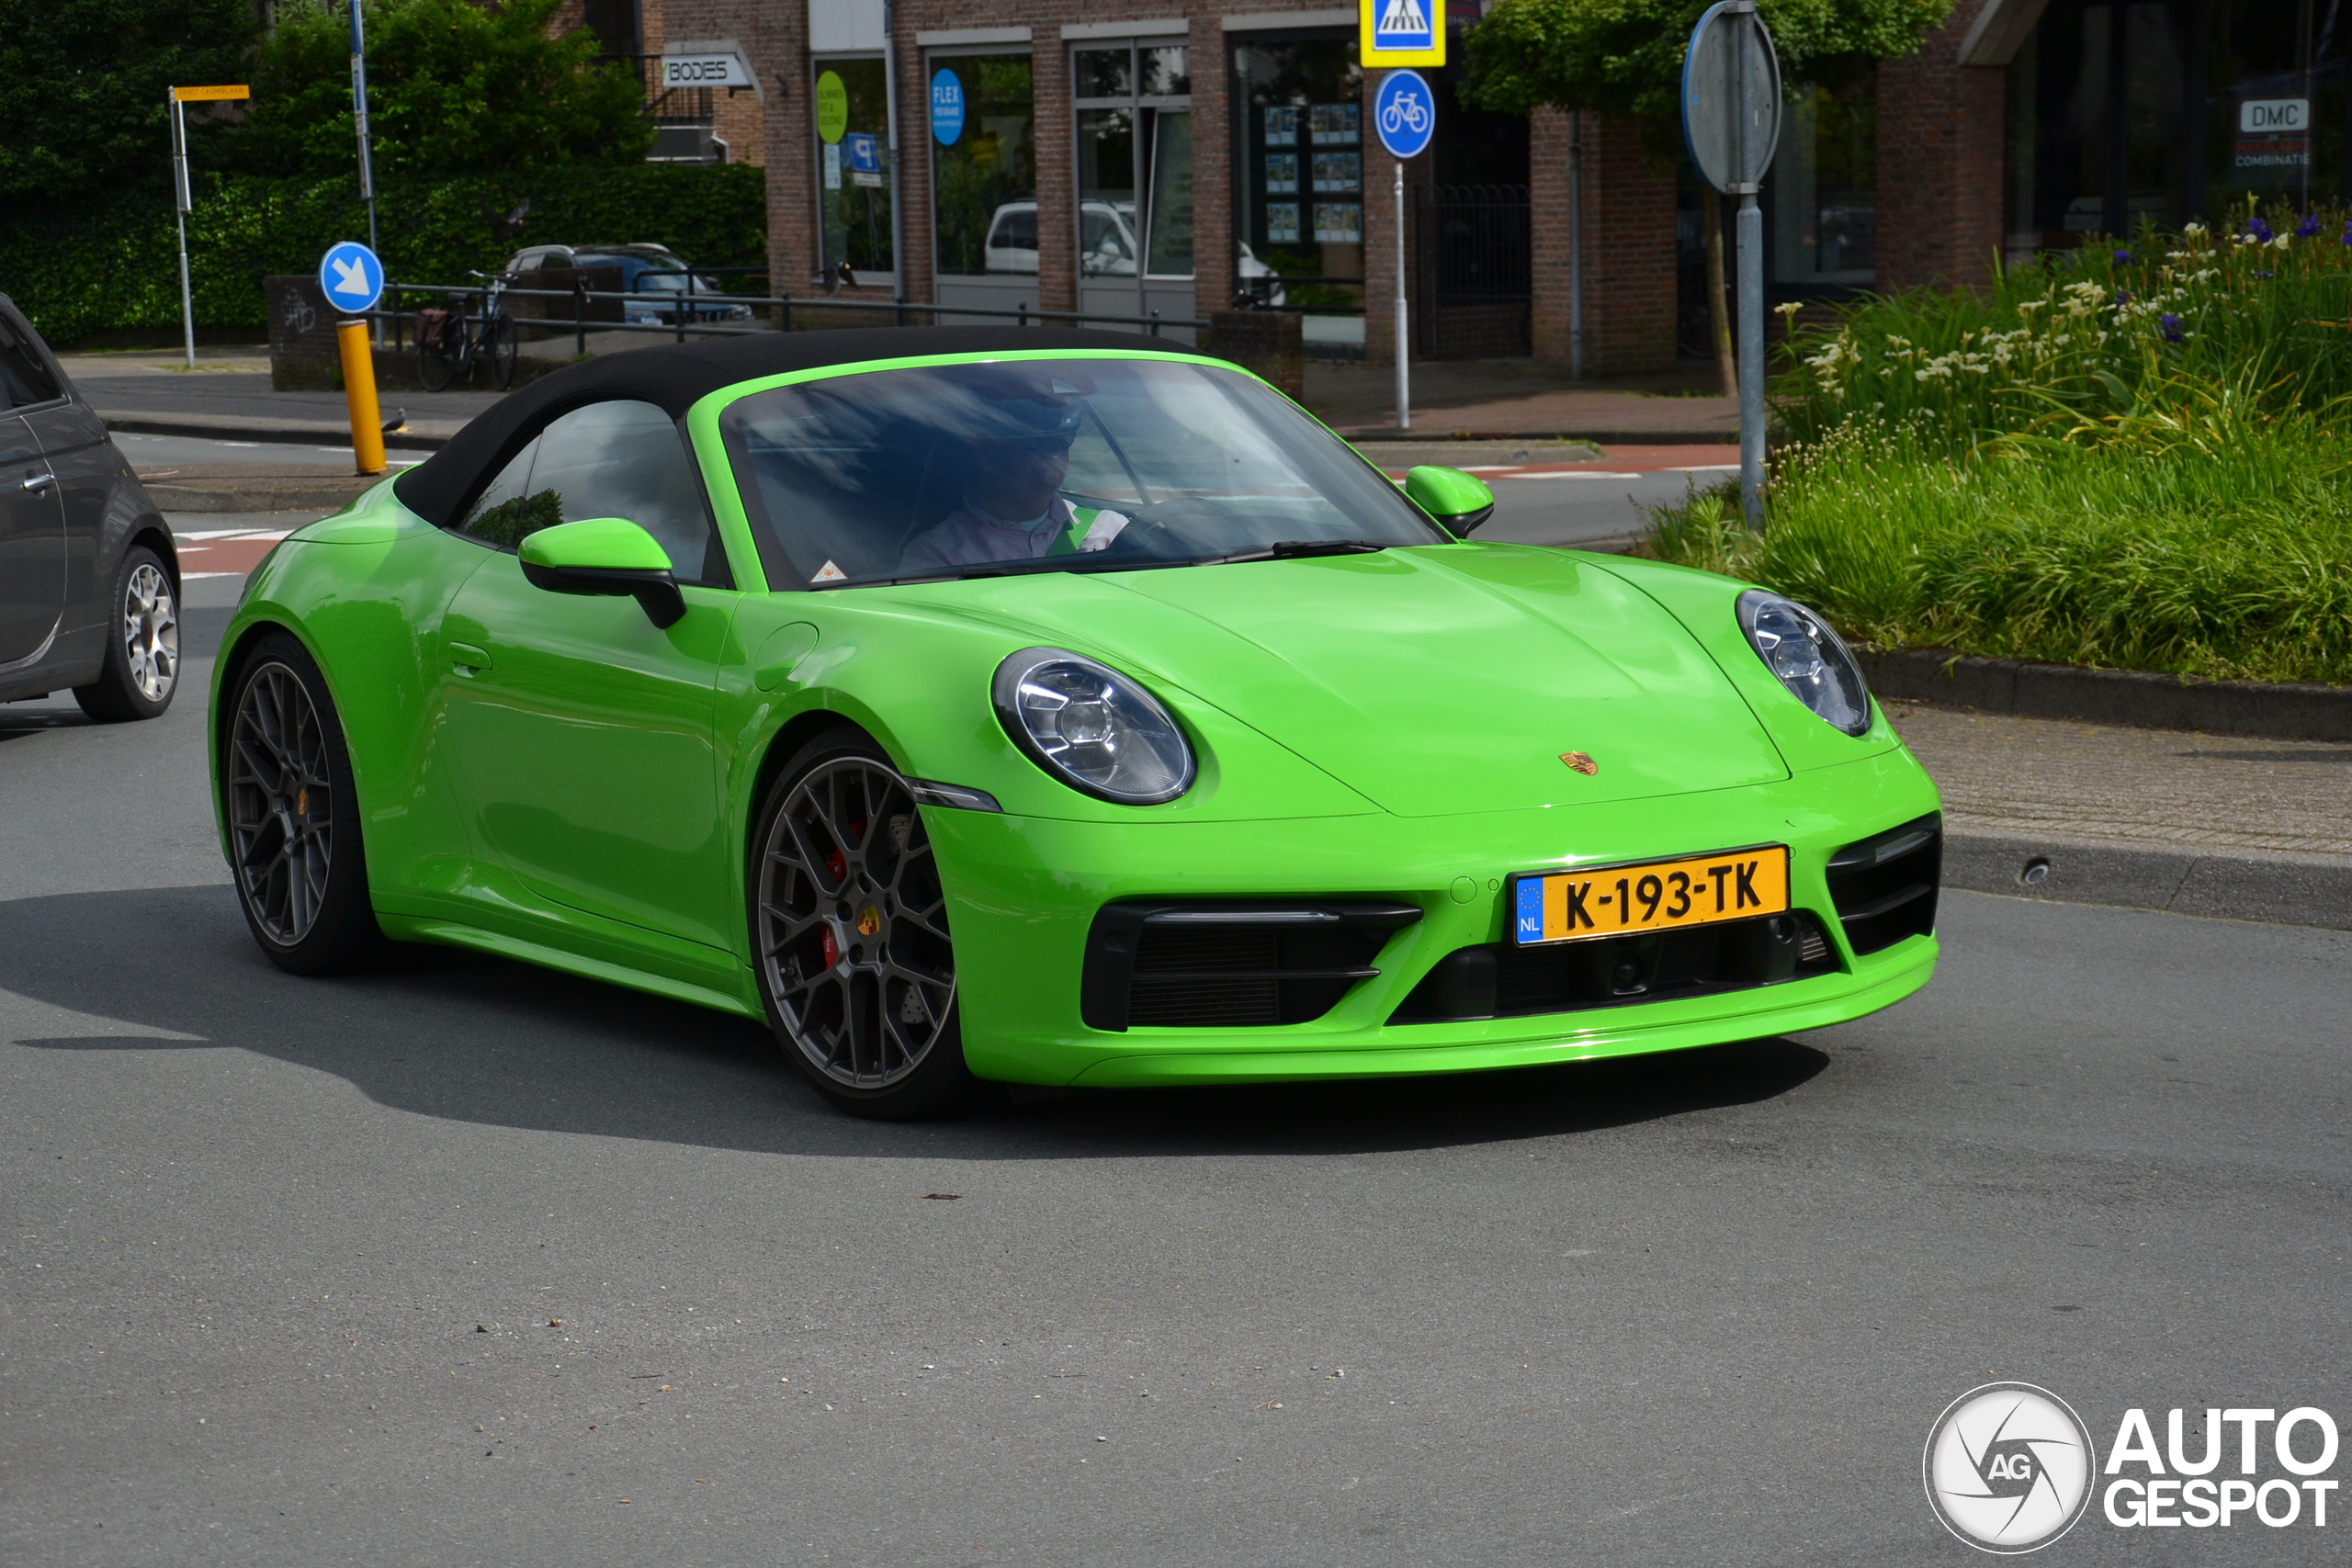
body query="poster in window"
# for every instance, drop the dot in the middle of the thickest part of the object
(1282, 173)
(1281, 222)
(1282, 125)
(1339, 172)
(1335, 125)
(1338, 223)
(832, 165)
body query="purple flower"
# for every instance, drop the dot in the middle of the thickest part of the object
(2309, 228)
(2123, 258)
(2171, 325)
(2257, 231)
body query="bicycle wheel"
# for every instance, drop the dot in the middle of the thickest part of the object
(504, 344)
(435, 367)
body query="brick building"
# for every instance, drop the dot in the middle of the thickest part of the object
(1164, 157)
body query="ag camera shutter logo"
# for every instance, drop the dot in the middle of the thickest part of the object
(2009, 1468)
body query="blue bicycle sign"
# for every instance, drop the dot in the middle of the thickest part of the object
(1405, 112)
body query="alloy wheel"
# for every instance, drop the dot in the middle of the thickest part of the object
(150, 632)
(281, 803)
(853, 924)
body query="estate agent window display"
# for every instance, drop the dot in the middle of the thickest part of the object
(1299, 145)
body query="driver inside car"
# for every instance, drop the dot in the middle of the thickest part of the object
(1012, 507)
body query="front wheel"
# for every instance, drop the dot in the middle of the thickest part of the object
(850, 926)
(293, 816)
(505, 345)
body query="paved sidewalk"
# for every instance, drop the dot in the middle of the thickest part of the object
(2151, 819)
(227, 394)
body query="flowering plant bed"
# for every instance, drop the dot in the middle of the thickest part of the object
(2125, 457)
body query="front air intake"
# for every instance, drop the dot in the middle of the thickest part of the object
(1884, 886)
(1230, 966)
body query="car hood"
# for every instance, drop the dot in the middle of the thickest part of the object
(1434, 681)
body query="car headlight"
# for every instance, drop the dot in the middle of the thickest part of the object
(1091, 728)
(1799, 647)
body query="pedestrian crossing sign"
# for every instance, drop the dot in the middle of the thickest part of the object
(1402, 32)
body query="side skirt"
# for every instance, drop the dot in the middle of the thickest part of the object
(411, 927)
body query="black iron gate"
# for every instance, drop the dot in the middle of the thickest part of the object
(1473, 290)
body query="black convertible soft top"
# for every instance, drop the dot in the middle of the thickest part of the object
(677, 376)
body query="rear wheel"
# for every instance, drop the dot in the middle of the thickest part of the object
(505, 344)
(850, 923)
(142, 665)
(293, 816)
(436, 364)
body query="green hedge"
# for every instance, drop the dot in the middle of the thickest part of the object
(113, 265)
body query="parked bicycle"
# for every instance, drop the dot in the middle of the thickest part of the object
(449, 343)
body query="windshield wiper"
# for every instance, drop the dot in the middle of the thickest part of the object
(1298, 550)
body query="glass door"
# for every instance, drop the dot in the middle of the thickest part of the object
(1135, 180)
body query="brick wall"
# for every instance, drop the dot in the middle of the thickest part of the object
(1939, 163)
(1628, 248)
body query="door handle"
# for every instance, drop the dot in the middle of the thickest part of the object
(39, 482)
(467, 659)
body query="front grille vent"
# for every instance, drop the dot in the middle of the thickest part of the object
(1501, 979)
(1175, 965)
(1884, 886)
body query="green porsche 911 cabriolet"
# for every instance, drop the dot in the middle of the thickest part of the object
(1050, 707)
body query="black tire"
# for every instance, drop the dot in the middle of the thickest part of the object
(850, 940)
(142, 665)
(300, 870)
(505, 344)
(435, 368)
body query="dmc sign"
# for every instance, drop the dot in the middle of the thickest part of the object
(2258, 115)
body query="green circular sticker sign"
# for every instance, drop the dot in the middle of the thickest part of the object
(832, 108)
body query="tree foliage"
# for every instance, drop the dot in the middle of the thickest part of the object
(82, 84)
(454, 89)
(1624, 58)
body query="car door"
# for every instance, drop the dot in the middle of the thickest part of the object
(582, 730)
(32, 517)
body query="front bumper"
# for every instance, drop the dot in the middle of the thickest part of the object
(1023, 890)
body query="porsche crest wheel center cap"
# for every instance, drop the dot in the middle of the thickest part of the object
(869, 921)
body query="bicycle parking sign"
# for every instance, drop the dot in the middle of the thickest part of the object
(1405, 112)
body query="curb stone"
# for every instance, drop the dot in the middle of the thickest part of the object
(2275, 888)
(231, 427)
(2285, 710)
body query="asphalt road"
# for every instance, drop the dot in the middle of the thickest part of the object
(465, 1262)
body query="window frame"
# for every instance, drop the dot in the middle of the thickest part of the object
(725, 580)
(931, 61)
(816, 62)
(1135, 102)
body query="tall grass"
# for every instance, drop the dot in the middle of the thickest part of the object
(2129, 456)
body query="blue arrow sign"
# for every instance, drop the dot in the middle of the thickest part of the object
(1405, 112)
(351, 278)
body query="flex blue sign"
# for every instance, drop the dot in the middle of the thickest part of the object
(351, 278)
(947, 108)
(1405, 112)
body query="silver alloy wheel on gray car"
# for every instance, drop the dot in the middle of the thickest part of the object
(150, 632)
(281, 803)
(853, 925)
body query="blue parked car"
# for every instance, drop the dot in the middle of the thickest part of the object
(654, 271)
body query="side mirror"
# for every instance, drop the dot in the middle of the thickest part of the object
(1459, 500)
(604, 554)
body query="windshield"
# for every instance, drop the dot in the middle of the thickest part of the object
(1046, 465)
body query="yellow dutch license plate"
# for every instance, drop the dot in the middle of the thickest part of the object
(1621, 900)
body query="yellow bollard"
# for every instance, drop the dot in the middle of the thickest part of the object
(360, 389)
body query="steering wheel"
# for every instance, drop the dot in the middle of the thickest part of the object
(1156, 529)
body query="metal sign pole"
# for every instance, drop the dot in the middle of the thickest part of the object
(359, 121)
(1750, 236)
(182, 202)
(1404, 370)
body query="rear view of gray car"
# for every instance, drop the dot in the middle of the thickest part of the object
(89, 581)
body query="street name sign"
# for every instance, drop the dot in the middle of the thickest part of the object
(210, 95)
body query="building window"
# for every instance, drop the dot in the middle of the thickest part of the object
(984, 177)
(2169, 112)
(1824, 198)
(854, 167)
(1298, 180)
(1135, 160)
